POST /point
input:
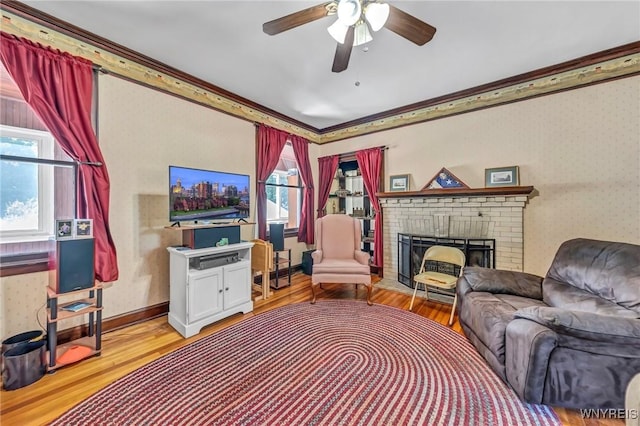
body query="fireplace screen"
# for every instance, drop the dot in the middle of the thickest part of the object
(411, 248)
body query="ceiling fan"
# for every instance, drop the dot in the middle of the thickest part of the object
(355, 20)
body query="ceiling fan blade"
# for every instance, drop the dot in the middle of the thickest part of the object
(343, 51)
(298, 18)
(409, 26)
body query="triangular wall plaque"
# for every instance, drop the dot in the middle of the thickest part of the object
(444, 179)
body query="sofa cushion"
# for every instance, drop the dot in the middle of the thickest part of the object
(517, 302)
(503, 281)
(585, 325)
(489, 314)
(565, 296)
(605, 269)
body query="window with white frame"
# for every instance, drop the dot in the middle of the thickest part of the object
(37, 184)
(26, 187)
(284, 191)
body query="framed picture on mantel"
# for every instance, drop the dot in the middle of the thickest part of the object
(501, 176)
(399, 183)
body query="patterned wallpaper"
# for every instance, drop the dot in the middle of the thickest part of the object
(580, 149)
(142, 132)
(607, 69)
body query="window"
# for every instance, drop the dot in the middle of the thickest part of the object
(26, 188)
(284, 191)
(37, 184)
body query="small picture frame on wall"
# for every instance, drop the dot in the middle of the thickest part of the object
(64, 229)
(399, 183)
(501, 176)
(83, 228)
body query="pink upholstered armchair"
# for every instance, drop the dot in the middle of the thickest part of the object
(338, 258)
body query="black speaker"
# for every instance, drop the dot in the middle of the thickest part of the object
(74, 265)
(209, 237)
(276, 236)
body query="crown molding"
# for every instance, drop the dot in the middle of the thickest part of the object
(499, 93)
(24, 21)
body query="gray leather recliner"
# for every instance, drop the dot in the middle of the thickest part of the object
(570, 339)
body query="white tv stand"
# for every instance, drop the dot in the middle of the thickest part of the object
(207, 285)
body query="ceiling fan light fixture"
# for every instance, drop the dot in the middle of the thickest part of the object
(362, 34)
(338, 31)
(356, 20)
(349, 11)
(376, 14)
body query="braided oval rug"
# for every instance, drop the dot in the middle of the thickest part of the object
(333, 363)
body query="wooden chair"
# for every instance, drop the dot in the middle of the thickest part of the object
(262, 260)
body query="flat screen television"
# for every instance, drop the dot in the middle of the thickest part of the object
(207, 195)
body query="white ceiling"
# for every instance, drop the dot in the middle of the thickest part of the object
(476, 42)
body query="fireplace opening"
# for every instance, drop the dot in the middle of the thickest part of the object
(411, 249)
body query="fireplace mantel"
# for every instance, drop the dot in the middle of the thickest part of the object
(496, 213)
(459, 192)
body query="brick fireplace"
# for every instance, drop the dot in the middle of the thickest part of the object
(460, 213)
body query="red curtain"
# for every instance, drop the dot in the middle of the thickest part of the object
(270, 144)
(328, 166)
(370, 163)
(301, 151)
(58, 87)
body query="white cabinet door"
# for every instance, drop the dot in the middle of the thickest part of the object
(205, 294)
(237, 287)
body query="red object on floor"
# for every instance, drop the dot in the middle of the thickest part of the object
(73, 354)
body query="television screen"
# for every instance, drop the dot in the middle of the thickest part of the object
(196, 194)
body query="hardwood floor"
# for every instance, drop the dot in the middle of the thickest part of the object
(129, 348)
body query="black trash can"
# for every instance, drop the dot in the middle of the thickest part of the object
(307, 262)
(17, 340)
(24, 364)
(20, 339)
